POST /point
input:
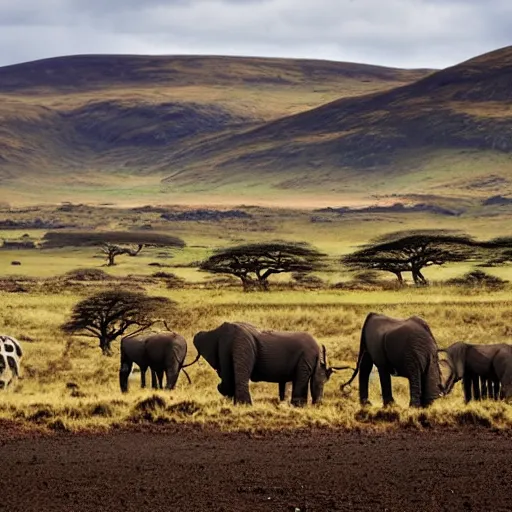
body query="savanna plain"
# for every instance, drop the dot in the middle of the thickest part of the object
(72, 441)
(67, 384)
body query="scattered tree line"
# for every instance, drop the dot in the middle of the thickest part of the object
(398, 253)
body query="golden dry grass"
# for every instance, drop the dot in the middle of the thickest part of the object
(68, 384)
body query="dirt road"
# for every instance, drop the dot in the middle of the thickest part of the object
(184, 470)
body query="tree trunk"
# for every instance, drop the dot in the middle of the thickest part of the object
(399, 277)
(422, 278)
(111, 256)
(246, 283)
(418, 277)
(105, 346)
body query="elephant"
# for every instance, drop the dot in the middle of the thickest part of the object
(473, 364)
(239, 352)
(10, 357)
(399, 347)
(162, 352)
(502, 369)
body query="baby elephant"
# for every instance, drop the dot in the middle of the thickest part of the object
(162, 352)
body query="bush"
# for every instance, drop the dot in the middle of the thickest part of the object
(87, 274)
(478, 279)
(307, 280)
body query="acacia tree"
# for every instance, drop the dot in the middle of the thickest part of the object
(498, 251)
(111, 243)
(411, 251)
(253, 264)
(109, 314)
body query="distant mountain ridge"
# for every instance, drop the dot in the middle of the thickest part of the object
(229, 123)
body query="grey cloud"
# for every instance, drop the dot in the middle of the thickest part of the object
(402, 33)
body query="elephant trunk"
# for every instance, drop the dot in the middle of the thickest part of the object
(123, 380)
(433, 387)
(124, 373)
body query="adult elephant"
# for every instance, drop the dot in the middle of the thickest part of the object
(400, 347)
(239, 352)
(502, 369)
(473, 364)
(163, 352)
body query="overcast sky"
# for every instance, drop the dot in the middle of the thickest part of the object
(402, 33)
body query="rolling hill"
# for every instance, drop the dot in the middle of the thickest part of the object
(135, 127)
(83, 121)
(452, 128)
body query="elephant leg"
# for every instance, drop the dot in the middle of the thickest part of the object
(124, 373)
(467, 385)
(365, 368)
(496, 389)
(385, 384)
(282, 391)
(299, 391)
(483, 388)
(415, 388)
(160, 377)
(301, 380)
(154, 382)
(476, 388)
(143, 376)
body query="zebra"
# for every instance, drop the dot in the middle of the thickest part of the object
(10, 357)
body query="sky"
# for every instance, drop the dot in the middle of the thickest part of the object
(399, 33)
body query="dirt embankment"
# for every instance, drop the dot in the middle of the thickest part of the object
(189, 470)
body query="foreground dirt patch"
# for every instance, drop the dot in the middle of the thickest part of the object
(191, 470)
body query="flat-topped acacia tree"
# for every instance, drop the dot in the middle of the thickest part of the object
(112, 243)
(498, 251)
(109, 314)
(412, 251)
(254, 263)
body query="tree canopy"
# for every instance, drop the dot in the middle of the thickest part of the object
(254, 263)
(499, 250)
(110, 314)
(112, 243)
(411, 251)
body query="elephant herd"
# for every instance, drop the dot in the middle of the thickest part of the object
(240, 353)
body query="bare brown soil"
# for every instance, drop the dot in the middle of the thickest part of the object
(193, 470)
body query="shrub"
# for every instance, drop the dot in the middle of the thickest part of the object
(87, 274)
(478, 279)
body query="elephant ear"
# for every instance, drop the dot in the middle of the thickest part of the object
(207, 345)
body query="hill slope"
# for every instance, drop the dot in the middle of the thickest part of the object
(453, 127)
(118, 126)
(110, 112)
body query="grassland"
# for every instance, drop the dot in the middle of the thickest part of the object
(68, 385)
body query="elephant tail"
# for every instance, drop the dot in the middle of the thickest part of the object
(362, 349)
(193, 362)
